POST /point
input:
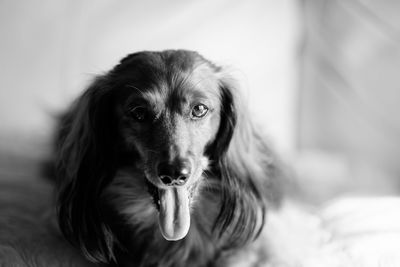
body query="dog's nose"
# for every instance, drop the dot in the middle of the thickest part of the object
(174, 174)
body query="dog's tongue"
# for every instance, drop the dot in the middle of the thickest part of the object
(174, 217)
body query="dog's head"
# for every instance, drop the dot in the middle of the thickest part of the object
(169, 113)
(167, 118)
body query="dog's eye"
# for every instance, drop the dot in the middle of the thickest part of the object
(139, 113)
(199, 111)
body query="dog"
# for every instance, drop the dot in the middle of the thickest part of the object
(158, 163)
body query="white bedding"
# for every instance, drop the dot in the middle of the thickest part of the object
(349, 232)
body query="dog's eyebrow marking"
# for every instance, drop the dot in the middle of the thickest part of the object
(197, 94)
(145, 95)
(137, 89)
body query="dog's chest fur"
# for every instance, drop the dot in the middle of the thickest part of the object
(140, 233)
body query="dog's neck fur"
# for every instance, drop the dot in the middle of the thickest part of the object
(141, 239)
(150, 249)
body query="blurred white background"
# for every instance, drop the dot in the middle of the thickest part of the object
(50, 50)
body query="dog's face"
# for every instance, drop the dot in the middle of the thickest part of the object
(169, 112)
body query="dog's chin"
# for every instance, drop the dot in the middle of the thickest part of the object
(173, 204)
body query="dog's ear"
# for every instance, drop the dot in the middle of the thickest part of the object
(228, 120)
(244, 164)
(85, 164)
